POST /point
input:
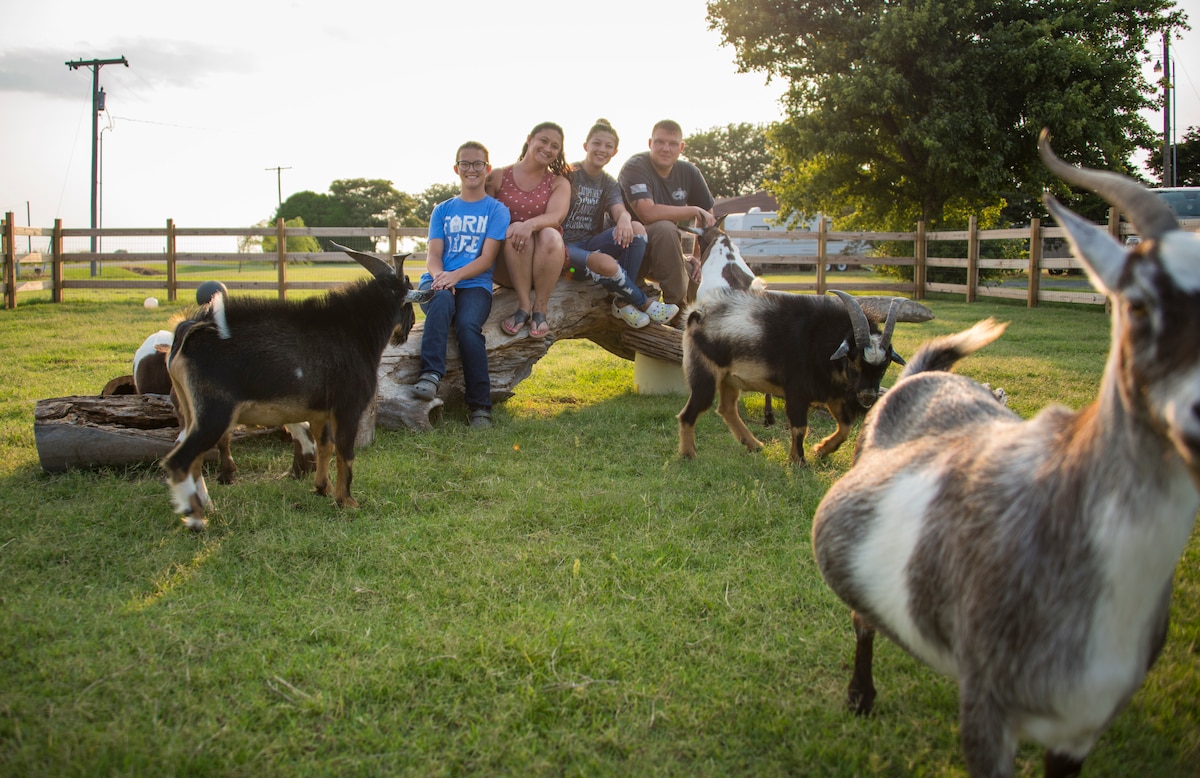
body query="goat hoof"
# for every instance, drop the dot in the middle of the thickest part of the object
(195, 524)
(346, 502)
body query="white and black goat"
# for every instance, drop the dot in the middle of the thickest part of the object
(150, 376)
(803, 348)
(274, 362)
(1032, 560)
(722, 267)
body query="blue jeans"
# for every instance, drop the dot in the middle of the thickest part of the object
(629, 259)
(466, 310)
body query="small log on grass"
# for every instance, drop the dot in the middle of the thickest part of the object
(576, 310)
(112, 431)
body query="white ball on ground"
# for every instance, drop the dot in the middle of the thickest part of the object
(151, 302)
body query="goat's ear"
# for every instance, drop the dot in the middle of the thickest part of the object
(842, 351)
(899, 360)
(418, 296)
(720, 225)
(698, 231)
(1103, 258)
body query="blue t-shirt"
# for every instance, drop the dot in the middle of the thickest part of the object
(462, 227)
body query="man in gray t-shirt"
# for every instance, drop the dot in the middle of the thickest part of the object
(665, 193)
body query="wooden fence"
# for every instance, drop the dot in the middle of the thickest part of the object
(1032, 259)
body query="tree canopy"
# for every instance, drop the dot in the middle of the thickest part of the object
(351, 202)
(733, 158)
(1187, 160)
(899, 110)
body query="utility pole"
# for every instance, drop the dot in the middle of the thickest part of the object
(97, 107)
(1168, 178)
(279, 180)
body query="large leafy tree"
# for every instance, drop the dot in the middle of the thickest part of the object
(428, 200)
(1187, 160)
(352, 202)
(899, 110)
(733, 158)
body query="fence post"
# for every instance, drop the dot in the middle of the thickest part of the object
(1035, 260)
(919, 252)
(1114, 224)
(393, 238)
(972, 258)
(172, 270)
(10, 261)
(281, 257)
(822, 226)
(56, 262)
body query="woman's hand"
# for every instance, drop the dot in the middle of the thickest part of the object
(519, 236)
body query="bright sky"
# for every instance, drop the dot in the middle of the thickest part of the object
(218, 95)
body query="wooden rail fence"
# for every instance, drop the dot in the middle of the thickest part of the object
(1033, 261)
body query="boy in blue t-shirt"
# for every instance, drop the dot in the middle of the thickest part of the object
(465, 233)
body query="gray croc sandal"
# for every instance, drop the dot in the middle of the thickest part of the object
(426, 386)
(480, 419)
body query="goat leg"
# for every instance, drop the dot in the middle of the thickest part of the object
(1058, 765)
(989, 741)
(344, 433)
(700, 399)
(797, 413)
(861, 694)
(727, 408)
(228, 468)
(320, 431)
(841, 414)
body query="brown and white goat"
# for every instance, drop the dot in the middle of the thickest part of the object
(274, 362)
(804, 348)
(1033, 560)
(150, 376)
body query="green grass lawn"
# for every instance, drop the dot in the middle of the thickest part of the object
(560, 595)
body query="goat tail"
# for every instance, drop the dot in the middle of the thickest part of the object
(942, 353)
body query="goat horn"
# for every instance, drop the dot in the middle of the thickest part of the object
(1149, 214)
(858, 319)
(893, 310)
(372, 263)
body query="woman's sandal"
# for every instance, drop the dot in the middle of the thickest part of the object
(539, 328)
(513, 324)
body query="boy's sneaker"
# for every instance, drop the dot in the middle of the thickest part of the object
(661, 312)
(632, 316)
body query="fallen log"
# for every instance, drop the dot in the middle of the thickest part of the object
(112, 431)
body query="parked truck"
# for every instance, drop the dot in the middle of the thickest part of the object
(769, 245)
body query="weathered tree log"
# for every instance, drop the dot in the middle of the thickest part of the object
(576, 310)
(115, 431)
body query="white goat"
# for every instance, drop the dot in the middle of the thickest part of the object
(1033, 560)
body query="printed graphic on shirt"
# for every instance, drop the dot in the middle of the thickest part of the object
(465, 233)
(679, 196)
(587, 200)
(639, 189)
